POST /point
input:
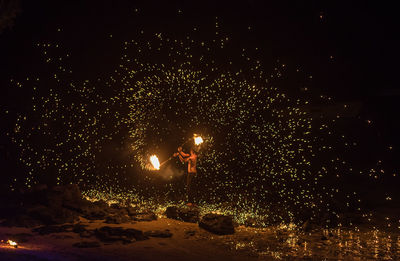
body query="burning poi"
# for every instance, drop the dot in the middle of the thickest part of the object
(155, 162)
(198, 140)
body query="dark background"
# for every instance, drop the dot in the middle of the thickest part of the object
(360, 35)
(349, 47)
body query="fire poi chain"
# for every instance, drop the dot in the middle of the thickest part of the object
(155, 161)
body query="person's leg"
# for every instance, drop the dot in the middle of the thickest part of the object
(188, 193)
(193, 189)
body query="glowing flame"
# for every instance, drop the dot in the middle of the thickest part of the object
(155, 162)
(198, 140)
(12, 243)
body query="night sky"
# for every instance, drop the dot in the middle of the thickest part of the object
(360, 35)
(346, 50)
(350, 48)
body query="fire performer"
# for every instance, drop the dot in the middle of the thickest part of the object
(191, 159)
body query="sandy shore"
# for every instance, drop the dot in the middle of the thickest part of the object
(189, 242)
(59, 246)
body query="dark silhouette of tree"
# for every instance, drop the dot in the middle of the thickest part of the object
(9, 9)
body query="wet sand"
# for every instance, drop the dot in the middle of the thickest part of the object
(58, 246)
(272, 243)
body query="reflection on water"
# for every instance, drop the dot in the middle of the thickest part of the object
(284, 242)
(291, 242)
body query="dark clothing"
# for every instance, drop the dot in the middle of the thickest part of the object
(190, 186)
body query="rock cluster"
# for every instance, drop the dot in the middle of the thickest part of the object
(158, 233)
(87, 244)
(217, 224)
(184, 214)
(112, 234)
(63, 204)
(214, 223)
(54, 210)
(105, 234)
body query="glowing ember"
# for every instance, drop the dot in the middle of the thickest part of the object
(198, 140)
(169, 84)
(155, 162)
(12, 243)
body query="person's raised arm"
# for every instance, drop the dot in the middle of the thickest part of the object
(183, 159)
(181, 153)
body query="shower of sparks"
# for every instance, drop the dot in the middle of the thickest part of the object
(265, 153)
(155, 162)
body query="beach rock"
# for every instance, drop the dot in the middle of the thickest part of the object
(144, 216)
(54, 198)
(57, 198)
(79, 206)
(307, 226)
(137, 234)
(189, 215)
(96, 210)
(158, 233)
(117, 209)
(51, 206)
(116, 206)
(79, 228)
(123, 211)
(71, 197)
(117, 219)
(50, 216)
(113, 234)
(184, 214)
(42, 213)
(70, 192)
(251, 222)
(172, 212)
(55, 236)
(95, 214)
(87, 244)
(86, 233)
(101, 204)
(109, 235)
(46, 206)
(45, 230)
(217, 224)
(189, 233)
(132, 211)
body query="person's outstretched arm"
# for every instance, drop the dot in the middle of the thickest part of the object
(183, 159)
(181, 153)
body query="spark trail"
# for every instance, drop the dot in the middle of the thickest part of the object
(261, 151)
